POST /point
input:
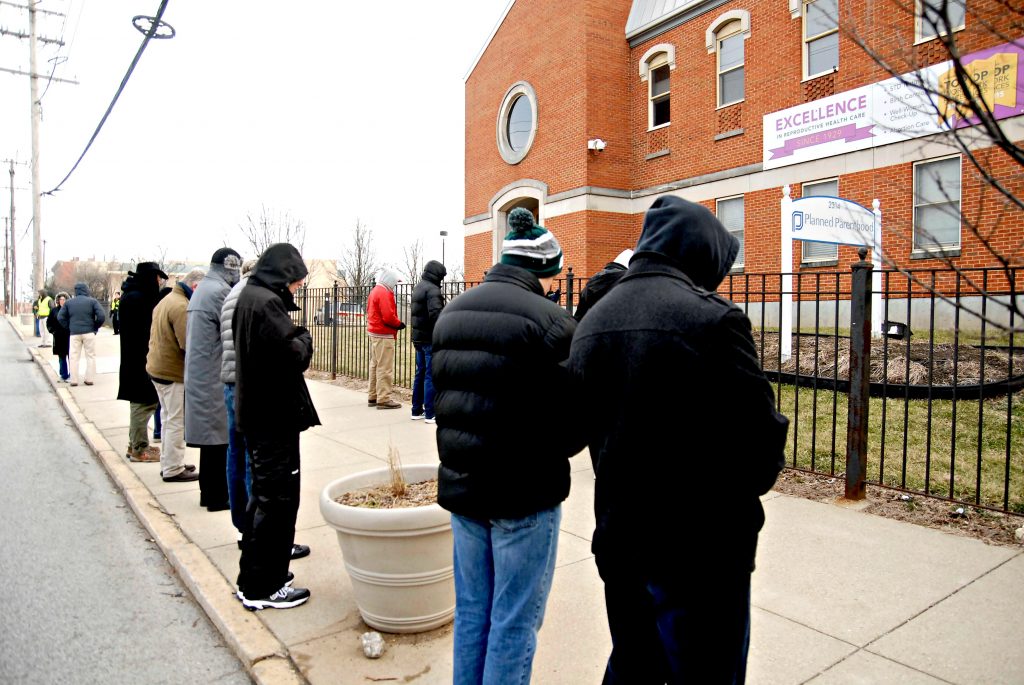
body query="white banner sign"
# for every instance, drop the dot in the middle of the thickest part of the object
(910, 106)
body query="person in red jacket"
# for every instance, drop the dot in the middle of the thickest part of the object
(382, 325)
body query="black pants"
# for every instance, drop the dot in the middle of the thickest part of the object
(270, 517)
(675, 630)
(213, 479)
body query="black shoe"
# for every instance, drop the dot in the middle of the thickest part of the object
(299, 551)
(183, 477)
(289, 579)
(220, 506)
(285, 598)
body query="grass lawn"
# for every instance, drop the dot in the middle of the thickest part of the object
(932, 454)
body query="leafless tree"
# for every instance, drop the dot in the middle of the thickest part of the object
(266, 227)
(95, 275)
(455, 273)
(412, 267)
(358, 264)
(964, 99)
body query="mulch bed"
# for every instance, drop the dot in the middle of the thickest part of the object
(992, 527)
(894, 367)
(382, 497)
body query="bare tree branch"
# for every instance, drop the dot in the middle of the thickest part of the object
(413, 263)
(358, 264)
(267, 227)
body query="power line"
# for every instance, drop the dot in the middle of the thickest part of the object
(155, 24)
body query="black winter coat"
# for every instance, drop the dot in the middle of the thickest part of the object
(681, 420)
(138, 298)
(61, 335)
(427, 302)
(271, 353)
(597, 287)
(498, 368)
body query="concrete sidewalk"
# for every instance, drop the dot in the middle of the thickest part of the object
(839, 596)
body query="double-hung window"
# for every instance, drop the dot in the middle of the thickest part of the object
(820, 252)
(660, 108)
(729, 42)
(939, 17)
(937, 205)
(821, 37)
(730, 212)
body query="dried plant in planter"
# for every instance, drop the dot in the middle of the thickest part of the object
(394, 494)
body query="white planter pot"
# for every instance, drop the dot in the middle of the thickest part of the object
(399, 560)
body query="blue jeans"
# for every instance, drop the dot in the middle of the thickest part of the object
(503, 572)
(423, 383)
(675, 629)
(35, 325)
(157, 421)
(64, 373)
(239, 470)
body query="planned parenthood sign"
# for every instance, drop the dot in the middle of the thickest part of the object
(910, 106)
(831, 220)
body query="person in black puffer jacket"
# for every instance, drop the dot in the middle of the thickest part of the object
(427, 303)
(272, 406)
(601, 283)
(61, 336)
(677, 387)
(499, 352)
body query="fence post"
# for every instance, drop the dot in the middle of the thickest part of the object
(334, 331)
(860, 376)
(305, 293)
(568, 290)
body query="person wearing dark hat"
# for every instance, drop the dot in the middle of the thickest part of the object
(141, 291)
(601, 283)
(662, 326)
(206, 418)
(61, 336)
(272, 407)
(498, 353)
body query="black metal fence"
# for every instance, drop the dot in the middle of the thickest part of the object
(937, 413)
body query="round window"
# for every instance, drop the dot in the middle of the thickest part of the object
(520, 123)
(517, 122)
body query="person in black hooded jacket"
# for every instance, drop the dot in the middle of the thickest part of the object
(689, 394)
(427, 303)
(272, 406)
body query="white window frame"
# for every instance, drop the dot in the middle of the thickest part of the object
(919, 23)
(812, 260)
(732, 29)
(807, 40)
(741, 258)
(942, 247)
(657, 62)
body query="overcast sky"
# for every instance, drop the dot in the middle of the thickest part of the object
(335, 111)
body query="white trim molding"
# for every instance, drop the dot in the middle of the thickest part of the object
(722, 20)
(645, 61)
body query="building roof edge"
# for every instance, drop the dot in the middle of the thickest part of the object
(487, 43)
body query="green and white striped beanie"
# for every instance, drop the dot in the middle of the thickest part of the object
(530, 246)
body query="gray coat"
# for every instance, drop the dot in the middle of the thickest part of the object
(227, 312)
(81, 314)
(206, 418)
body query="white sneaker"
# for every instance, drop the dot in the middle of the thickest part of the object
(430, 420)
(417, 417)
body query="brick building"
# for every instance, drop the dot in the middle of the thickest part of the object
(587, 112)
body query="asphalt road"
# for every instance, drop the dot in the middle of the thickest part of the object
(85, 596)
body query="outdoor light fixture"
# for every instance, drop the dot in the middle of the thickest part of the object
(596, 144)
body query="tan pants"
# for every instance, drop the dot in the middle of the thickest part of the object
(85, 342)
(382, 369)
(172, 404)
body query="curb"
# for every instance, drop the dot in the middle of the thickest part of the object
(263, 655)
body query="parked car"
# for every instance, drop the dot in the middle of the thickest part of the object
(347, 313)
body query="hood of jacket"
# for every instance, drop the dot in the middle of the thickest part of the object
(229, 276)
(388, 278)
(280, 266)
(81, 289)
(689, 236)
(434, 272)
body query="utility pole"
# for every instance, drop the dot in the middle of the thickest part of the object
(7, 265)
(33, 74)
(37, 214)
(13, 293)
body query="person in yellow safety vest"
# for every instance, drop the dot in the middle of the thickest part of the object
(115, 316)
(41, 307)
